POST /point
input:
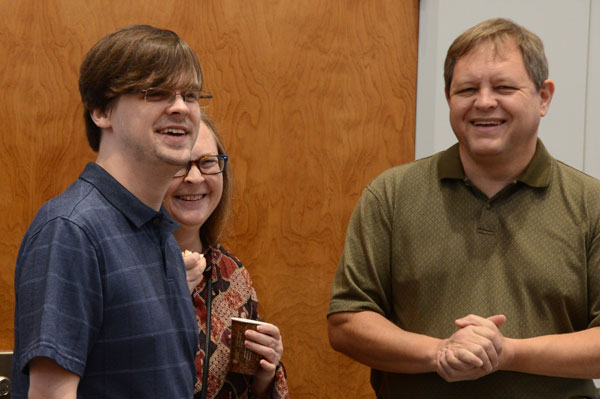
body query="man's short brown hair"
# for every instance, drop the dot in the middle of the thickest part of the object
(133, 58)
(497, 31)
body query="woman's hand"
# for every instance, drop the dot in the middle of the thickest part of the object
(195, 263)
(266, 342)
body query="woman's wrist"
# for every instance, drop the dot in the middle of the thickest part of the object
(262, 385)
(264, 393)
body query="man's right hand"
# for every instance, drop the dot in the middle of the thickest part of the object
(472, 351)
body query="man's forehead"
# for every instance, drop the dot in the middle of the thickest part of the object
(500, 56)
(184, 79)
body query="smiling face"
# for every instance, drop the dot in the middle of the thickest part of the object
(192, 199)
(495, 109)
(151, 134)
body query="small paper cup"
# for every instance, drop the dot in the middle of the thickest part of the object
(242, 359)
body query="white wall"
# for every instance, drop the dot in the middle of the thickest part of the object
(570, 30)
(592, 137)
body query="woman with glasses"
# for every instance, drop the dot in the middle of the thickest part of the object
(198, 199)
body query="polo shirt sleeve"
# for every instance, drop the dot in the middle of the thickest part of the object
(362, 280)
(58, 309)
(594, 275)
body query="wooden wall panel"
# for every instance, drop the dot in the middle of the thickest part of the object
(313, 98)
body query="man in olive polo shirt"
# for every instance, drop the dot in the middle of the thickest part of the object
(475, 273)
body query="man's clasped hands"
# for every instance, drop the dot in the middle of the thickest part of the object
(476, 349)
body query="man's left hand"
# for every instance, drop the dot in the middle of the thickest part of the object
(463, 357)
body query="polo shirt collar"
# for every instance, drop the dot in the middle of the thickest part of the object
(123, 200)
(536, 174)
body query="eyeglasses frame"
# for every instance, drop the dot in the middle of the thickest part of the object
(224, 157)
(174, 93)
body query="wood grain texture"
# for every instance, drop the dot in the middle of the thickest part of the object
(313, 98)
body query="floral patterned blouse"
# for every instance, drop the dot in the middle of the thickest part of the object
(233, 296)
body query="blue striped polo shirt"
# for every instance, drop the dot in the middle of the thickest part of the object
(100, 289)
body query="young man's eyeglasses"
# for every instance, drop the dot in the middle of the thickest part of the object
(156, 95)
(208, 165)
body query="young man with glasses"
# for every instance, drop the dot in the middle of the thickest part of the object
(102, 304)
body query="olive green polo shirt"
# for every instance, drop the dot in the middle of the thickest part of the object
(425, 247)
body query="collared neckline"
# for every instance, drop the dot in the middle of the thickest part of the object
(536, 174)
(122, 199)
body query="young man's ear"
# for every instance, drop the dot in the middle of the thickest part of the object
(101, 118)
